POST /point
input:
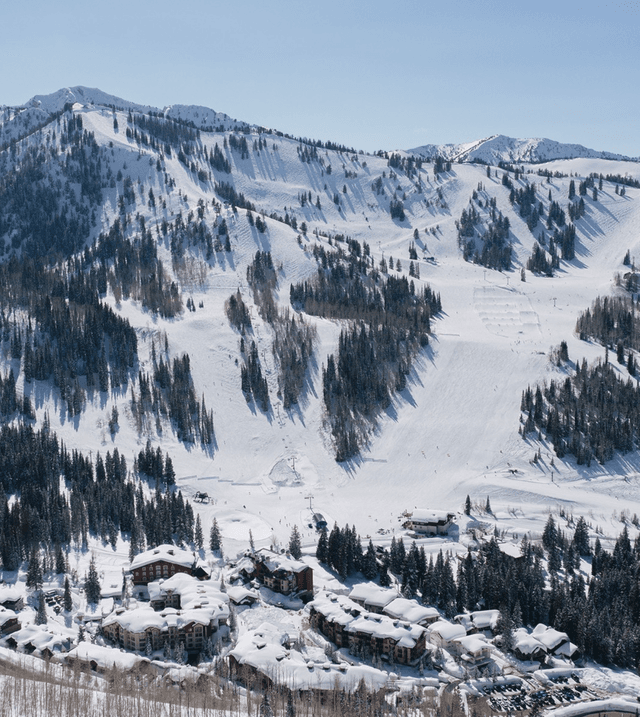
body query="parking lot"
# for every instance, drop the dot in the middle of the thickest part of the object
(528, 694)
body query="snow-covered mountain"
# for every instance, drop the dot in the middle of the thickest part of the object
(499, 148)
(182, 231)
(453, 429)
(14, 121)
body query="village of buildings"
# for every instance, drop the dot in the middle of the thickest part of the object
(275, 620)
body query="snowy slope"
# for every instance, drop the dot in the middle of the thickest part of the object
(454, 430)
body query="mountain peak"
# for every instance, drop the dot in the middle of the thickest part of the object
(202, 117)
(500, 148)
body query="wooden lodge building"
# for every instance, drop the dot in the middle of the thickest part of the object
(162, 562)
(282, 574)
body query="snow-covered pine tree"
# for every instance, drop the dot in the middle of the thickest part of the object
(295, 545)
(41, 615)
(214, 537)
(92, 583)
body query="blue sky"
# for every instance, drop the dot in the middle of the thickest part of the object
(374, 75)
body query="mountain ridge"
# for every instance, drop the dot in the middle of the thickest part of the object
(500, 148)
(491, 150)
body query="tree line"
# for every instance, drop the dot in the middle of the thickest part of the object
(545, 584)
(168, 393)
(41, 211)
(390, 324)
(293, 338)
(59, 497)
(490, 246)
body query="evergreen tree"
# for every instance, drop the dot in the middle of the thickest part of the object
(550, 534)
(410, 577)
(41, 615)
(67, 602)
(61, 566)
(447, 591)
(396, 555)
(133, 542)
(370, 564)
(322, 550)
(631, 364)
(215, 543)
(384, 578)
(92, 583)
(291, 710)
(335, 548)
(581, 537)
(34, 571)
(505, 628)
(169, 473)
(467, 506)
(198, 537)
(295, 546)
(462, 594)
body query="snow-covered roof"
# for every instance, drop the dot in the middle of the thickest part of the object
(567, 649)
(6, 615)
(142, 618)
(263, 650)
(167, 553)
(473, 644)
(336, 608)
(381, 626)
(239, 593)
(466, 621)
(549, 636)
(41, 637)
(276, 561)
(410, 610)
(433, 517)
(343, 611)
(245, 565)
(373, 595)
(447, 630)
(525, 643)
(105, 657)
(10, 593)
(193, 592)
(485, 619)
